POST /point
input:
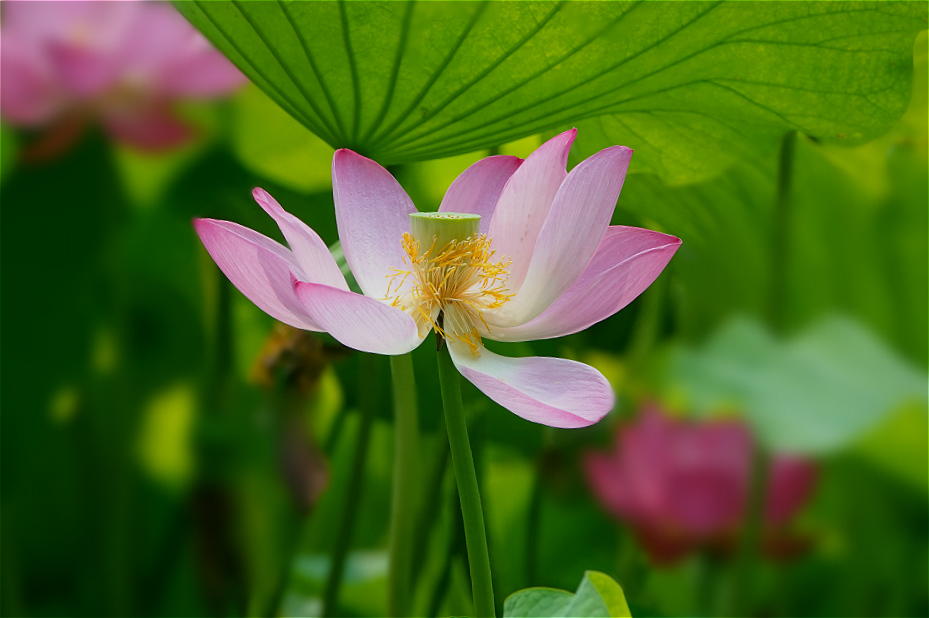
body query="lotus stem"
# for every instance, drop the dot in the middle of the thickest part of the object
(468, 492)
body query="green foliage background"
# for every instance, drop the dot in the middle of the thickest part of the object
(141, 462)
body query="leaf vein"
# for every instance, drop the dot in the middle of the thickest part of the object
(435, 76)
(299, 85)
(490, 68)
(356, 85)
(282, 100)
(602, 73)
(311, 60)
(395, 71)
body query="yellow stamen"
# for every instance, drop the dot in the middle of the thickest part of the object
(460, 281)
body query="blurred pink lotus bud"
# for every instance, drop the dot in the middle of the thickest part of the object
(123, 63)
(682, 485)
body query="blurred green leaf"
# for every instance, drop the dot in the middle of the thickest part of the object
(898, 446)
(598, 595)
(815, 393)
(164, 444)
(271, 143)
(363, 583)
(692, 86)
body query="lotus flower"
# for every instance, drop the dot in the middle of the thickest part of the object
(682, 485)
(122, 62)
(540, 260)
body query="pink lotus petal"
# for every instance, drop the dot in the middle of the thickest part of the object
(580, 215)
(205, 74)
(309, 249)
(372, 212)
(123, 62)
(477, 189)
(525, 202)
(152, 128)
(83, 71)
(29, 95)
(644, 454)
(179, 60)
(703, 501)
(551, 391)
(358, 321)
(791, 483)
(155, 35)
(683, 484)
(610, 484)
(259, 267)
(627, 260)
(41, 22)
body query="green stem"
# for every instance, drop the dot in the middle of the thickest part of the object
(406, 451)
(367, 407)
(750, 549)
(780, 232)
(468, 493)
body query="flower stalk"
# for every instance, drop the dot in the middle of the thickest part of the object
(468, 492)
(402, 513)
(761, 459)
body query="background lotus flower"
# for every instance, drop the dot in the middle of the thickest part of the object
(122, 62)
(682, 484)
(544, 233)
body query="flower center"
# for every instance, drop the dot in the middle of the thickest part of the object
(454, 277)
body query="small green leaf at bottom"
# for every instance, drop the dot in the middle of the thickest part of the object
(598, 595)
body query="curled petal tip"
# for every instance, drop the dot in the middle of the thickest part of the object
(343, 153)
(258, 266)
(672, 241)
(201, 223)
(268, 204)
(621, 156)
(620, 147)
(565, 140)
(570, 135)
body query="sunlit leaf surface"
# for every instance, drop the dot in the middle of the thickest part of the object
(598, 595)
(690, 85)
(273, 144)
